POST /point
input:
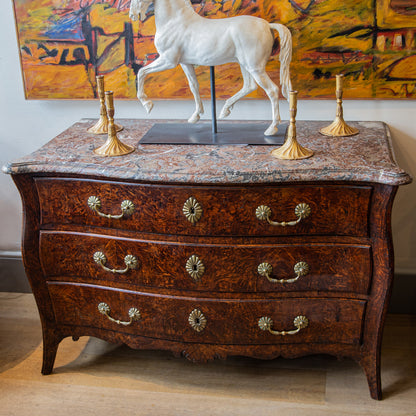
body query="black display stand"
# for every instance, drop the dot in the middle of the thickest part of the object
(228, 133)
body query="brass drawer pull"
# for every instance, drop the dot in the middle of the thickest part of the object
(192, 210)
(130, 261)
(134, 314)
(127, 208)
(301, 269)
(195, 267)
(300, 322)
(263, 213)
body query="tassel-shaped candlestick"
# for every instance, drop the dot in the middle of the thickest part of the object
(113, 146)
(101, 127)
(339, 127)
(291, 149)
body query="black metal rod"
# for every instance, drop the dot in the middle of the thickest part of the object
(213, 101)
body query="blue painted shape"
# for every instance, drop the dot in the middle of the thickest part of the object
(68, 27)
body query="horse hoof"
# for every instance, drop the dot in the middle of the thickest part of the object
(193, 119)
(148, 106)
(225, 112)
(271, 131)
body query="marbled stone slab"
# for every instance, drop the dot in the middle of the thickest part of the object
(367, 157)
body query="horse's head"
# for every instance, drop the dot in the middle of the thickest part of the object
(138, 9)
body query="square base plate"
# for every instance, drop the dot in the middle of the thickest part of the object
(201, 133)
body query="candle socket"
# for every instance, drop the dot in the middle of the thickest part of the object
(291, 149)
(339, 128)
(101, 126)
(113, 146)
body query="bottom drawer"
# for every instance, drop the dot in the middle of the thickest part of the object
(209, 321)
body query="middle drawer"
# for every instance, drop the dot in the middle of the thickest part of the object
(207, 267)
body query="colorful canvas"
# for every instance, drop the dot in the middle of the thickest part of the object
(64, 44)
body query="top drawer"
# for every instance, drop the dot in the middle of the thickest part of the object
(206, 210)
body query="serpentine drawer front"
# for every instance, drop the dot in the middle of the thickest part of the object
(222, 321)
(207, 210)
(212, 251)
(206, 267)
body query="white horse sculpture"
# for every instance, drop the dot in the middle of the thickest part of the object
(184, 37)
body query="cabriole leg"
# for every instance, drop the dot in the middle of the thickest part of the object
(50, 347)
(371, 367)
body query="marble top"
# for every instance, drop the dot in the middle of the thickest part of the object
(366, 157)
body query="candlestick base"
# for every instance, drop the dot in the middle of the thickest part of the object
(291, 150)
(113, 147)
(101, 126)
(339, 128)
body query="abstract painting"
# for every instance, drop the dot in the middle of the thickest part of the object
(64, 44)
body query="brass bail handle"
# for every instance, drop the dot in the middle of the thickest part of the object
(301, 268)
(130, 261)
(265, 323)
(302, 211)
(127, 208)
(134, 314)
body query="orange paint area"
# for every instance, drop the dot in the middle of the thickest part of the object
(63, 46)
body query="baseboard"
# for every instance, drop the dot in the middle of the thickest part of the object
(404, 294)
(13, 279)
(12, 273)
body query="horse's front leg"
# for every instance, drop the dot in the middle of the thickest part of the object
(160, 64)
(189, 71)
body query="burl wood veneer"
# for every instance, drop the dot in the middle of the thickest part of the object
(191, 263)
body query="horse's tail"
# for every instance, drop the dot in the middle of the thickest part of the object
(285, 56)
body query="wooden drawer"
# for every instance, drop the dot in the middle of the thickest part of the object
(208, 267)
(334, 210)
(215, 321)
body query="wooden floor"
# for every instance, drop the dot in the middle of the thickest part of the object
(92, 377)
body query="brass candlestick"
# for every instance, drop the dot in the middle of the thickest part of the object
(291, 149)
(339, 127)
(101, 127)
(113, 146)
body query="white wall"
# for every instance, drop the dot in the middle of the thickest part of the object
(26, 125)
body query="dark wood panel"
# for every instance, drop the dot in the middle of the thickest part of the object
(227, 321)
(227, 268)
(335, 210)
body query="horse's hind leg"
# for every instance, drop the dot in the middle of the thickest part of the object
(272, 91)
(248, 87)
(189, 71)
